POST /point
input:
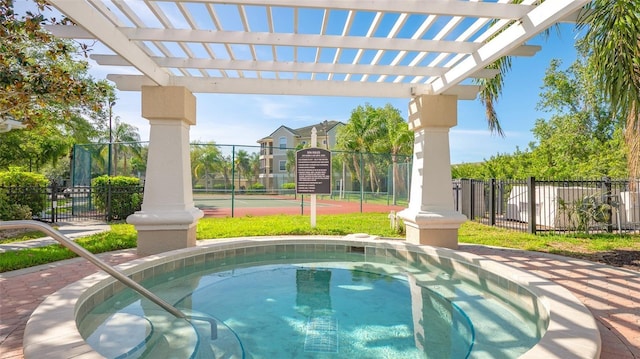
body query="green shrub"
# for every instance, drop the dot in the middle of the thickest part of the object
(125, 195)
(289, 185)
(24, 189)
(257, 186)
(11, 211)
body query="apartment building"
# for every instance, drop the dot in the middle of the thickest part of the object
(274, 148)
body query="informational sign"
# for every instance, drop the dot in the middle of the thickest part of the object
(313, 171)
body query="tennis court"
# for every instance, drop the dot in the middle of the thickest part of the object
(226, 205)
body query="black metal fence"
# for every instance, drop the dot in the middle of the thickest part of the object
(55, 203)
(586, 206)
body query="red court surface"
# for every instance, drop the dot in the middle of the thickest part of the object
(263, 207)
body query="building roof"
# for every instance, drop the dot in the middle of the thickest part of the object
(322, 129)
(374, 48)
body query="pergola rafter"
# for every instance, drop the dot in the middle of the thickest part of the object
(362, 48)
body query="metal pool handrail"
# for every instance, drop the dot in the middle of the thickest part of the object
(62, 239)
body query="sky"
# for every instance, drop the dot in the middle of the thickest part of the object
(244, 119)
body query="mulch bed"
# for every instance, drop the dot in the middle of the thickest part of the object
(617, 258)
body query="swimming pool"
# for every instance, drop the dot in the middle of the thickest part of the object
(318, 297)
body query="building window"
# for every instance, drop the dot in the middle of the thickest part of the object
(283, 142)
(283, 165)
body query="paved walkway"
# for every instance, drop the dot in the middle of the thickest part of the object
(70, 230)
(612, 294)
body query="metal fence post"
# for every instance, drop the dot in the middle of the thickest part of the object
(109, 212)
(492, 202)
(456, 196)
(606, 193)
(531, 194)
(361, 181)
(54, 202)
(472, 199)
(233, 178)
(467, 198)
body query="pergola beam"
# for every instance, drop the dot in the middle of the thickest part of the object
(88, 17)
(533, 23)
(292, 87)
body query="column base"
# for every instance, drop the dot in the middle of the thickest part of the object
(165, 231)
(434, 228)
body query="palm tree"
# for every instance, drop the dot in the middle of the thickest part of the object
(124, 133)
(241, 164)
(613, 41)
(290, 165)
(254, 167)
(226, 166)
(490, 90)
(398, 142)
(359, 135)
(204, 158)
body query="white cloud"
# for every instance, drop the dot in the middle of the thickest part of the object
(283, 107)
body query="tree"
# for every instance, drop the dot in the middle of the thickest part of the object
(364, 128)
(40, 76)
(227, 167)
(613, 43)
(580, 139)
(370, 133)
(241, 165)
(290, 165)
(582, 129)
(205, 159)
(398, 142)
(32, 148)
(254, 167)
(613, 48)
(126, 142)
(43, 85)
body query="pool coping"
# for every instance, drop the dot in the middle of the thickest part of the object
(572, 331)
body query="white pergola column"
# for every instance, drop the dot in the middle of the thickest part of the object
(430, 218)
(168, 217)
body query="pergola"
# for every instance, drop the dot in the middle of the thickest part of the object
(428, 51)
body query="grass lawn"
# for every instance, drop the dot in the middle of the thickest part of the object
(123, 236)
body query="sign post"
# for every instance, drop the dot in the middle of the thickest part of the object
(313, 173)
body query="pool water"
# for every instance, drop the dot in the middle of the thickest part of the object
(312, 309)
(303, 310)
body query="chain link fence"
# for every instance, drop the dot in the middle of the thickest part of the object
(227, 177)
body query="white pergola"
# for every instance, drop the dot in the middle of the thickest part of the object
(427, 51)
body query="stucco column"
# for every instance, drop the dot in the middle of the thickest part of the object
(168, 217)
(430, 218)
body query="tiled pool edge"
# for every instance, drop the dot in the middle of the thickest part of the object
(572, 331)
